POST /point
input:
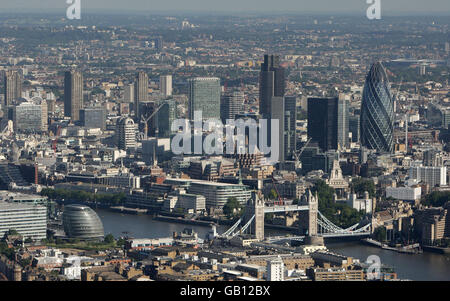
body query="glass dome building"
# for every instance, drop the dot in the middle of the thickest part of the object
(377, 111)
(82, 222)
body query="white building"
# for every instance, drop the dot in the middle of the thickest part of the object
(404, 193)
(126, 133)
(364, 204)
(192, 203)
(29, 220)
(432, 175)
(275, 270)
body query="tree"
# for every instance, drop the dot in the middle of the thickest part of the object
(273, 195)
(340, 214)
(231, 207)
(380, 234)
(436, 199)
(361, 185)
(109, 239)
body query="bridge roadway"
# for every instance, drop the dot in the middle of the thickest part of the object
(286, 208)
(325, 235)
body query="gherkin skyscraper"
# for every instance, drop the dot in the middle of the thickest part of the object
(377, 111)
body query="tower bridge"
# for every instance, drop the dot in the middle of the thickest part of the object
(313, 224)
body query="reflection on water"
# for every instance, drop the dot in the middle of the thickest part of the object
(423, 267)
(426, 266)
(143, 226)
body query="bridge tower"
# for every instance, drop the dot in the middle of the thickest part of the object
(255, 206)
(308, 219)
(313, 203)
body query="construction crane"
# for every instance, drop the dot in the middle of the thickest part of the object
(398, 90)
(146, 120)
(298, 155)
(55, 141)
(280, 200)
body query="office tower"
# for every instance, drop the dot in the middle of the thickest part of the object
(328, 122)
(275, 270)
(93, 117)
(447, 47)
(13, 87)
(166, 116)
(354, 127)
(125, 133)
(44, 114)
(377, 111)
(128, 95)
(431, 175)
(165, 85)
(140, 93)
(343, 124)
(271, 82)
(73, 94)
(29, 220)
(277, 112)
(204, 96)
(290, 118)
(30, 116)
(159, 43)
(231, 104)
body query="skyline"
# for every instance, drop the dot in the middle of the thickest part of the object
(400, 7)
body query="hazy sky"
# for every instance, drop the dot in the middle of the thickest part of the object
(307, 6)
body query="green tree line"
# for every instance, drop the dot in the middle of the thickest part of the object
(83, 196)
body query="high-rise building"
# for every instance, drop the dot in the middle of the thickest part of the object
(73, 94)
(328, 122)
(125, 133)
(230, 105)
(290, 118)
(30, 116)
(93, 117)
(271, 82)
(140, 93)
(13, 87)
(128, 95)
(354, 127)
(29, 220)
(165, 85)
(377, 111)
(343, 123)
(277, 112)
(166, 116)
(204, 95)
(431, 175)
(447, 47)
(275, 270)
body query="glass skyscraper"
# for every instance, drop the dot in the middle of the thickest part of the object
(204, 95)
(165, 117)
(328, 122)
(271, 83)
(377, 111)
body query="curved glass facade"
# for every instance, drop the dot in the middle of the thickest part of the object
(377, 111)
(82, 222)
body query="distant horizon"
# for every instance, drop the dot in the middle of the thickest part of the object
(56, 12)
(237, 7)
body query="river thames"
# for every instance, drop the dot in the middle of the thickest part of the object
(424, 267)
